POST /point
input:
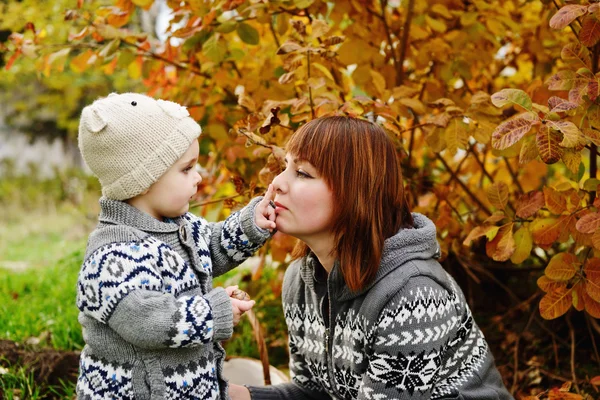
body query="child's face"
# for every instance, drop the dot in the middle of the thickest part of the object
(169, 197)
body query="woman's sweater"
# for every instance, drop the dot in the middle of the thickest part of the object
(407, 335)
(151, 319)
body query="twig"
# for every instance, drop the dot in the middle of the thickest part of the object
(516, 351)
(204, 203)
(572, 334)
(275, 38)
(594, 324)
(587, 322)
(555, 348)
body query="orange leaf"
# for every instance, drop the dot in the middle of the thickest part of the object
(503, 246)
(546, 230)
(556, 303)
(596, 239)
(12, 59)
(548, 285)
(555, 201)
(547, 142)
(478, 232)
(566, 15)
(497, 194)
(511, 131)
(590, 31)
(82, 62)
(562, 267)
(588, 223)
(591, 306)
(595, 380)
(592, 275)
(529, 204)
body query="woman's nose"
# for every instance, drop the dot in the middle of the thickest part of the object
(198, 178)
(279, 183)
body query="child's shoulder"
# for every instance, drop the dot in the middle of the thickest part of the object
(117, 236)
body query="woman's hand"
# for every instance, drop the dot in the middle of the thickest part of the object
(237, 392)
(264, 213)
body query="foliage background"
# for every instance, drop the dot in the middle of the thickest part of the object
(493, 106)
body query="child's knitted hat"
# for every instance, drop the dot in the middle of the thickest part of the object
(130, 140)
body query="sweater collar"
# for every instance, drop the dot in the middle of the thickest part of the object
(419, 242)
(120, 213)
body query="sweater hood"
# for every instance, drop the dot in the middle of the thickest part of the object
(416, 243)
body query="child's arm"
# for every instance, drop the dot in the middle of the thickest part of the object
(119, 285)
(232, 241)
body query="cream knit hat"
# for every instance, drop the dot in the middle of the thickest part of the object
(130, 140)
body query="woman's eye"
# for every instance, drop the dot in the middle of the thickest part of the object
(302, 174)
(187, 169)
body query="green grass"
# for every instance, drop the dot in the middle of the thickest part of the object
(38, 302)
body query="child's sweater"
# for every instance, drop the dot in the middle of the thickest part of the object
(151, 319)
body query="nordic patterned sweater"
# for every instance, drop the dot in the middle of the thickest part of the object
(151, 319)
(408, 335)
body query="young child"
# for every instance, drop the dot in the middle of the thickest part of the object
(151, 319)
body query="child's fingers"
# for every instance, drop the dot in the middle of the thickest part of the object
(243, 305)
(231, 289)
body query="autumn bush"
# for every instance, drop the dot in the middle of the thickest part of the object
(494, 106)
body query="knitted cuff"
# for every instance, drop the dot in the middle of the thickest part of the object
(222, 313)
(255, 234)
(263, 393)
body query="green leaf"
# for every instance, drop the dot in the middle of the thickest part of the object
(214, 49)
(247, 33)
(511, 96)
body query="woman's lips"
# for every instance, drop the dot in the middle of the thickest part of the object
(279, 207)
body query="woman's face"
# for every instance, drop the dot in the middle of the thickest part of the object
(304, 202)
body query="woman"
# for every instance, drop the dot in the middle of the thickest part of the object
(371, 314)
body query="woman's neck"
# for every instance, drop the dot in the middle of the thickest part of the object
(324, 250)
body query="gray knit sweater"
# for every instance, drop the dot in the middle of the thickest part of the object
(408, 335)
(150, 316)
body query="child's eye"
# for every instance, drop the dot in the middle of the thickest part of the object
(187, 169)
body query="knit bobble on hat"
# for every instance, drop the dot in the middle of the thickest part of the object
(130, 140)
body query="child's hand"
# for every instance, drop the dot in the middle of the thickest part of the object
(264, 214)
(239, 308)
(238, 392)
(237, 293)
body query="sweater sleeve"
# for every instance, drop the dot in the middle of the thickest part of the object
(414, 331)
(119, 285)
(233, 240)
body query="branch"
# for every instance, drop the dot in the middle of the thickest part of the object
(572, 334)
(464, 187)
(514, 175)
(312, 106)
(404, 43)
(274, 33)
(587, 321)
(516, 363)
(388, 33)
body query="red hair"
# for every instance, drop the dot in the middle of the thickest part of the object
(359, 163)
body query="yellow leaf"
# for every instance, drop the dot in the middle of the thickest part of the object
(524, 243)
(592, 275)
(497, 194)
(378, 82)
(145, 4)
(435, 24)
(135, 68)
(319, 28)
(456, 135)
(562, 267)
